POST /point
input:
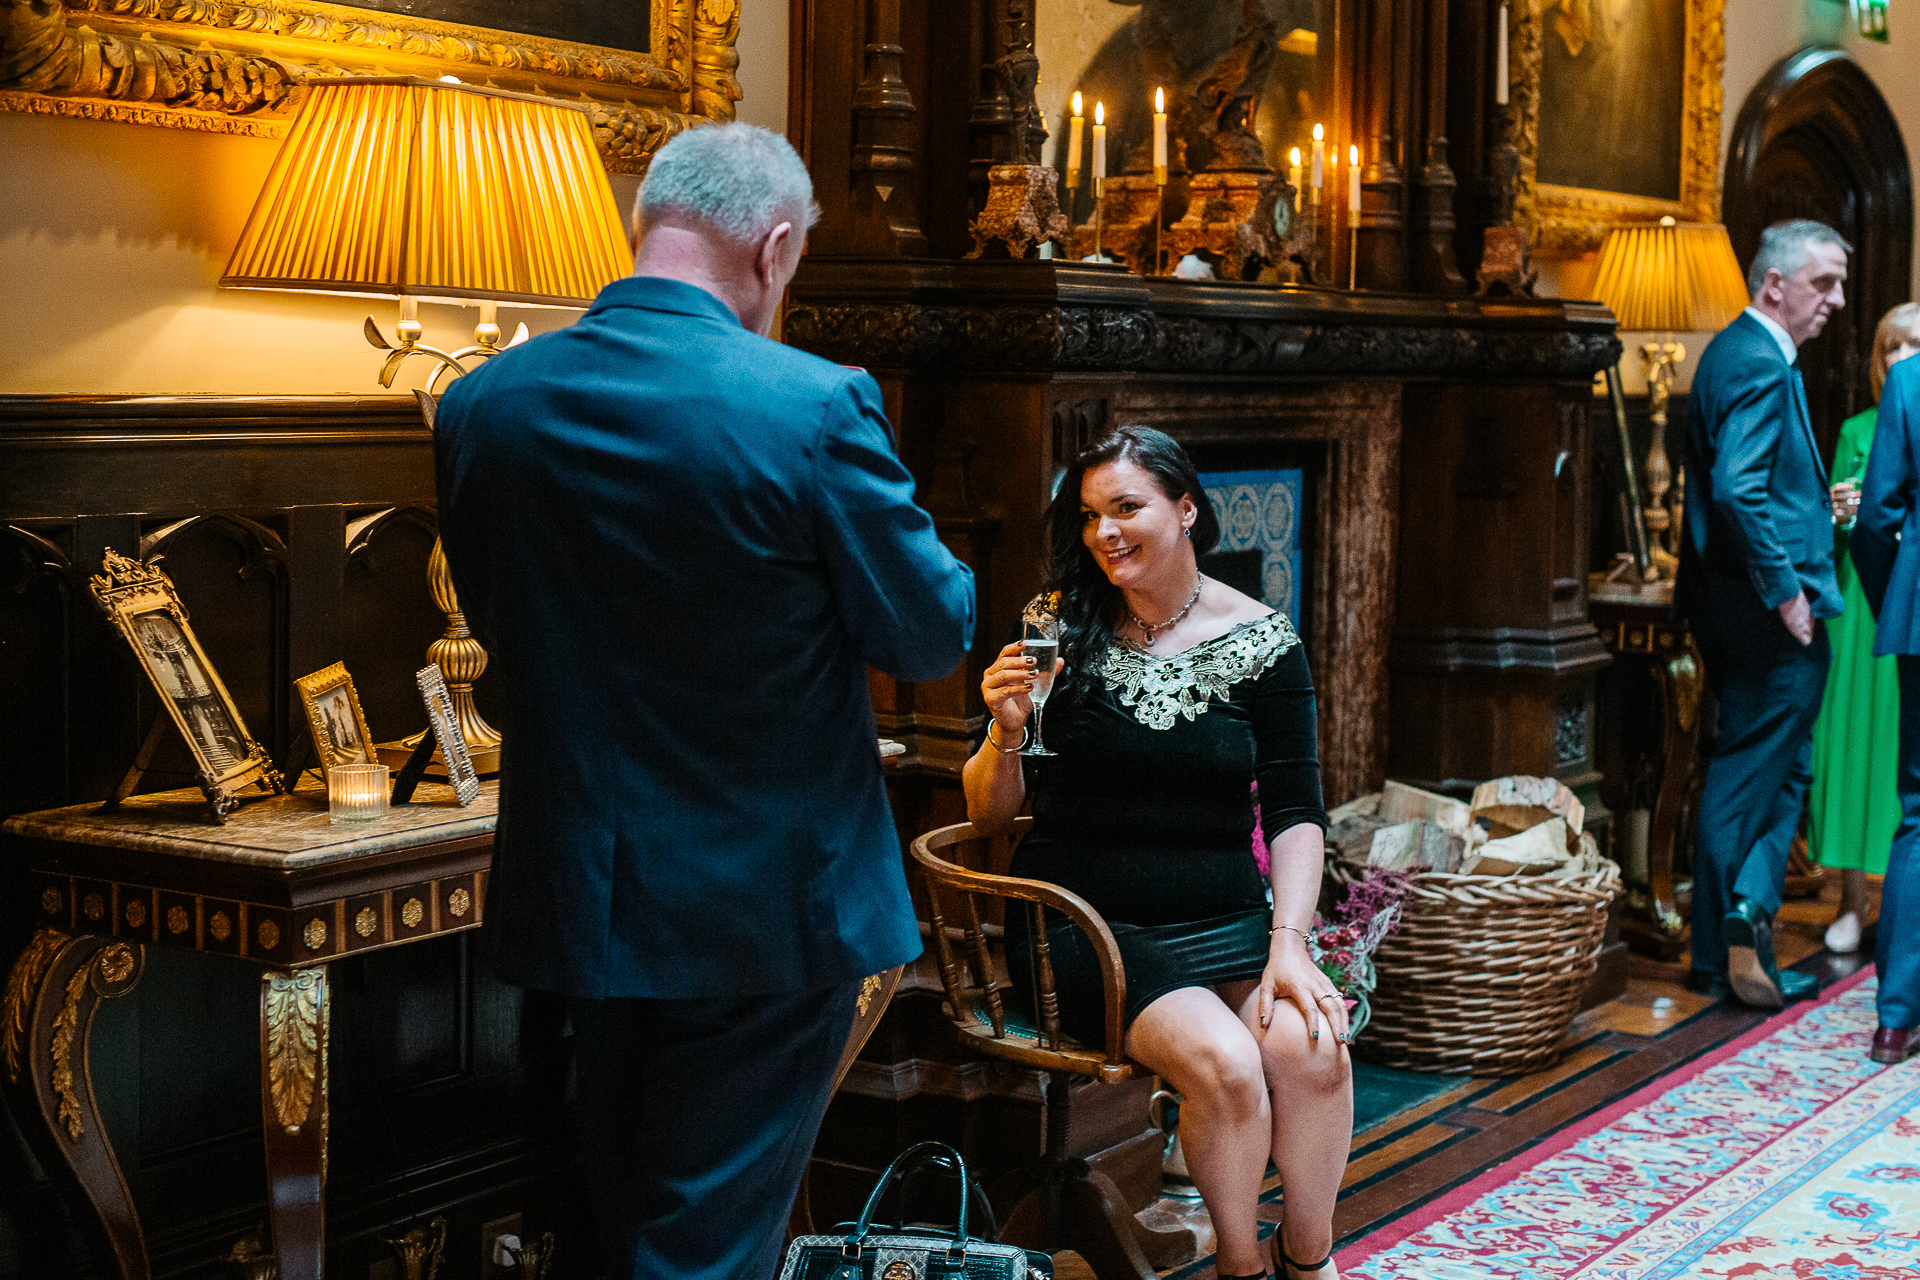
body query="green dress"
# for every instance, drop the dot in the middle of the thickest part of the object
(1856, 740)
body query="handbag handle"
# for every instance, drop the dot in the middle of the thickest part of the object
(904, 1163)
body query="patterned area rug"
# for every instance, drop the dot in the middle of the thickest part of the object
(1785, 1155)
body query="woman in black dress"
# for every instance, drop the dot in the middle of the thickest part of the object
(1176, 694)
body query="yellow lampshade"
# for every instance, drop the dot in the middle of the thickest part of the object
(1670, 277)
(392, 187)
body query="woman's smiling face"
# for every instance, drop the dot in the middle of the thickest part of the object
(1128, 524)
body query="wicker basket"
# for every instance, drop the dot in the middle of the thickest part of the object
(1485, 972)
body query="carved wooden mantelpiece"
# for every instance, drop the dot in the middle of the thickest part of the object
(236, 67)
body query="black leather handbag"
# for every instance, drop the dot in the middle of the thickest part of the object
(870, 1252)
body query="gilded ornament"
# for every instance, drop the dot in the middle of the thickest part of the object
(219, 926)
(23, 983)
(899, 1269)
(178, 920)
(412, 912)
(93, 906)
(316, 934)
(868, 985)
(52, 900)
(269, 935)
(116, 965)
(65, 1024)
(366, 922)
(137, 913)
(295, 1036)
(458, 902)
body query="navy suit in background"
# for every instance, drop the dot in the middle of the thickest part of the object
(1758, 531)
(1888, 561)
(683, 545)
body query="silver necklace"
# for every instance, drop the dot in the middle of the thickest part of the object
(1148, 628)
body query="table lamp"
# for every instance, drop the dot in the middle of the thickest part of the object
(1665, 278)
(432, 189)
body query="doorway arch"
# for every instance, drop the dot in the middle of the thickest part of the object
(1815, 139)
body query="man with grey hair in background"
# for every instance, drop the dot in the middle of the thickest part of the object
(684, 545)
(1756, 569)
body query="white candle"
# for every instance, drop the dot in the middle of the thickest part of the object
(1073, 142)
(1353, 179)
(1099, 142)
(1319, 159)
(1160, 136)
(356, 792)
(1293, 175)
(1500, 60)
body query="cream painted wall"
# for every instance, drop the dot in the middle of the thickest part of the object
(1759, 34)
(113, 236)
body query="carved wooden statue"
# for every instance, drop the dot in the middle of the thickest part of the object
(1233, 87)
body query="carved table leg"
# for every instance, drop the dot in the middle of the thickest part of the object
(55, 988)
(293, 1103)
(1678, 676)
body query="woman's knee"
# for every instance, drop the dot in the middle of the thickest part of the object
(1292, 1058)
(1224, 1069)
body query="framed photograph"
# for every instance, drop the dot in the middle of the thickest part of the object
(648, 68)
(141, 603)
(333, 715)
(446, 731)
(1616, 115)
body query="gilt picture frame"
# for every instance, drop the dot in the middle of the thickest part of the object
(1569, 220)
(141, 603)
(334, 717)
(238, 67)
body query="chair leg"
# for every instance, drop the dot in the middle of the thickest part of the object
(1100, 1229)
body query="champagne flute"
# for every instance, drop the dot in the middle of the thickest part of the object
(1042, 645)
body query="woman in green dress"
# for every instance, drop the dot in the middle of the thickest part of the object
(1856, 740)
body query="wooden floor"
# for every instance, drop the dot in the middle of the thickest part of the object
(1612, 1050)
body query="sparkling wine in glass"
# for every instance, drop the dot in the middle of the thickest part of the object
(1043, 646)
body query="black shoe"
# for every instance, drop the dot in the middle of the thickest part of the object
(1893, 1046)
(1755, 978)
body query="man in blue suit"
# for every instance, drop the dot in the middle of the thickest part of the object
(1889, 565)
(1756, 568)
(684, 545)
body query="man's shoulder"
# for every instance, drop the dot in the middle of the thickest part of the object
(1742, 351)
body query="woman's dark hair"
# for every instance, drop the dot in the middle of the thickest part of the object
(1091, 608)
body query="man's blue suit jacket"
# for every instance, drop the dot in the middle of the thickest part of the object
(1888, 560)
(1759, 526)
(683, 545)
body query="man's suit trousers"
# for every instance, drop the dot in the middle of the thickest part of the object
(698, 1117)
(1897, 942)
(1767, 689)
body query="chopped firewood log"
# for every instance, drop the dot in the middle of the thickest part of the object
(1508, 806)
(1537, 850)
(1402, 803)
(1420, 845)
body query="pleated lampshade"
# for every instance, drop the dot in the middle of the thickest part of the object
(1670, 277)
(392, 187)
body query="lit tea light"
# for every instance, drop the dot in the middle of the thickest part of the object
(357, 792)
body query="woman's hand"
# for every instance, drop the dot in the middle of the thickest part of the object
(1291, 975)
(1006, 685)
(1845, 497)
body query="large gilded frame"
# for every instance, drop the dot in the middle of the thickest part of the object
(235, 66)
(1574, 220)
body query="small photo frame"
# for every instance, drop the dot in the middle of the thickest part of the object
(446, 731)
(333, 715)
(141, 603)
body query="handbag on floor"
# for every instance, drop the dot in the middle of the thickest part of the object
(871, 1252)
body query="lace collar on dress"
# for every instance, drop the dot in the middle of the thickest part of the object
(1159, 689)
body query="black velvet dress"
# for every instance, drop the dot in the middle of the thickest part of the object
(1147, 813)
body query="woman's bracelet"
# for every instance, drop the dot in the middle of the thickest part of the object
(1277, 928)
(1005, 751)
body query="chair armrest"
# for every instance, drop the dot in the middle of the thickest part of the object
(1113, 975)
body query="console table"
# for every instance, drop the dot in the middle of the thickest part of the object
(278, 887)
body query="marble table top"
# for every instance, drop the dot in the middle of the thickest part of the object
(285, 833)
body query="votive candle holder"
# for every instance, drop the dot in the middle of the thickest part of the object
(357, 792)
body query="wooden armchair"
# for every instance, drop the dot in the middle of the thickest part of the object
(1060, 1203)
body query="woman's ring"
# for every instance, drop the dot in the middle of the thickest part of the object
(1331, 995)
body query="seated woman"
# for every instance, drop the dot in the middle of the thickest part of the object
(1176, 694)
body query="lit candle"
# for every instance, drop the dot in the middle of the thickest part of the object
(1073, 142)
(1319, 159)
(356, 792)
(1500, 60)
(1293, 175)
(1099, 142)
(1353, 179)
(1160, 137)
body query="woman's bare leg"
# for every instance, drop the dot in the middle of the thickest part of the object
(1191, 1039)
(1312, 1086)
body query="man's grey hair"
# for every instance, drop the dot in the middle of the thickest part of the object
(1784, 247)
(737, 179)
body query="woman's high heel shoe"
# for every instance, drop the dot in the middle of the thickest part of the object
(1287, 1269)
